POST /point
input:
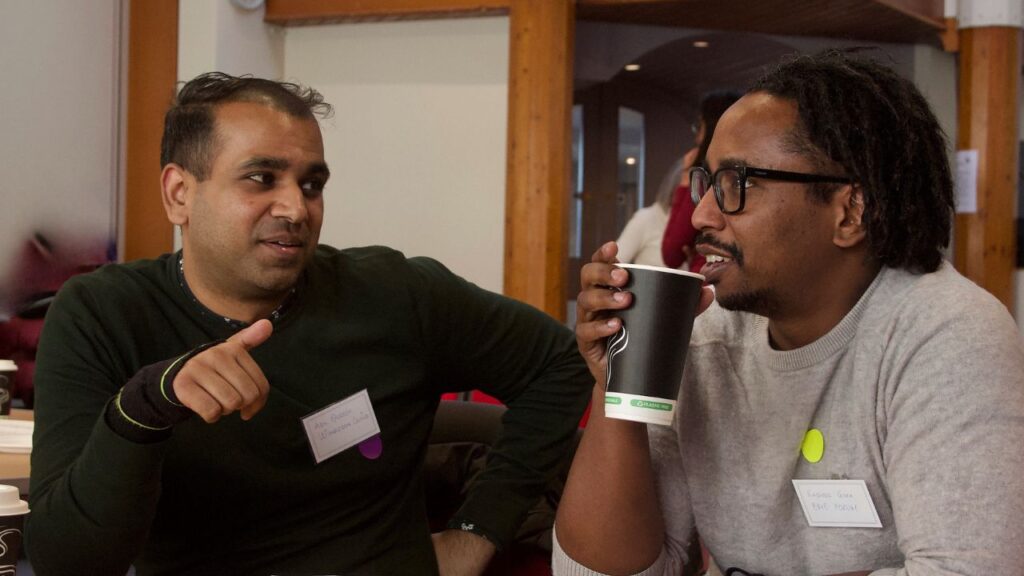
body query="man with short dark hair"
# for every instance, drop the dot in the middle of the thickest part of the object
(258, 403)
(851, 404)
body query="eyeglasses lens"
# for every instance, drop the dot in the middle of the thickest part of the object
(729, 185)
(698, 184)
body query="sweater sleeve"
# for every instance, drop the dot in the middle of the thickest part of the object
(680, 231)
(480, 340)
(631, 241)
(952, 423)
(93, 494)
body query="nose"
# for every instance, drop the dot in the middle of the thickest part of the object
(707, 214)
(290, 204)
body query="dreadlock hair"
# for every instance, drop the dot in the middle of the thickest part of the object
(859, 114)
(189, 135)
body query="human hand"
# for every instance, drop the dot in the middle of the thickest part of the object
(224, 378)
(461, 553)
(600, 282)
(601, 295)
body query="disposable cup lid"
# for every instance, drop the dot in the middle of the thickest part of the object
(11, 502)
(7, 365)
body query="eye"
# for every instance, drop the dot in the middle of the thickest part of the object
(313, 188)
(266, 179)
(729, 180)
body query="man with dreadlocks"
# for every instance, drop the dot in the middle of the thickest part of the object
(851, 404)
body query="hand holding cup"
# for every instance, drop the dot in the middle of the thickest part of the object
(648, 332)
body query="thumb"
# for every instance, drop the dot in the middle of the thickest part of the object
(252, 336)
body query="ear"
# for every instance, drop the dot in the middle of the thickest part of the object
(848, 205)
(176, 186)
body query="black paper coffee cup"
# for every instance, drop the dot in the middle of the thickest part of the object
(7, 371)
(646, 356)
(12, 518)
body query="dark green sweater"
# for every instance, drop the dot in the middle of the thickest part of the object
(246, 497)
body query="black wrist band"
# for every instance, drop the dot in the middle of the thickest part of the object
(146, 408)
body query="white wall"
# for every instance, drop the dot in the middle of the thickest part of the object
(59, 124)
(216, 35)
(417, 144)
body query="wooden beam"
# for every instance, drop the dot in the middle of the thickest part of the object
(539, 152)
(987, 121)
(627, 2)
(152, 74)
(950, 37)
(302, 12)
(931, 12)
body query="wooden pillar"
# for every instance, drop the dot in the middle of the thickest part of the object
(990, 71)
(152, 73)
(539, 152)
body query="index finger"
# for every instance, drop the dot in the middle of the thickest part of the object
(601, 272)
(256, 376)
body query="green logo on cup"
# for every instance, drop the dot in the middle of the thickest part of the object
(612, 400)
(651, 405)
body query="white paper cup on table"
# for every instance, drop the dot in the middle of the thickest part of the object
(7, 370)
(12, 518)
(646, 356)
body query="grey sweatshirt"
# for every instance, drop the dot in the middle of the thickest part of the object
(918, 391)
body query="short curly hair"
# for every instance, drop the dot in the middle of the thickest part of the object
(189, 123)
(860, 114)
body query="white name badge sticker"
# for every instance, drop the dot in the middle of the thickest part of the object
(837, 503)
(341, 425)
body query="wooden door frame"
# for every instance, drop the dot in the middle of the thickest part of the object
(152, 75)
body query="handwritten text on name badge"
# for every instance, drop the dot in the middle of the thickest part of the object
(341, 425)
(837, 503)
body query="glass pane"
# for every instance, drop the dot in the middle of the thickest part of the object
(631, 164)
(576, 206)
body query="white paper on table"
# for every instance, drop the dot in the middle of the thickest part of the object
(966, 181)
(16, 436)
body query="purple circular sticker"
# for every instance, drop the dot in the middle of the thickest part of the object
(371, 447)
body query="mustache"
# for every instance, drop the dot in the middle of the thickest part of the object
(732, 249)
(275, 227)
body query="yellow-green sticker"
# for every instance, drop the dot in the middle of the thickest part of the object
(814, 445)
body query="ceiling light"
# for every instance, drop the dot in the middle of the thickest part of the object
(630, 161)
(632, 67)
(701, 44)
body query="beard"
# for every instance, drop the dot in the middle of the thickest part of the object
(757, 301)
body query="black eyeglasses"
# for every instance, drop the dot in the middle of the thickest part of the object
(730, 183)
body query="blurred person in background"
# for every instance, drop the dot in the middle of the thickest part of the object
(640, 241)
(677, 243)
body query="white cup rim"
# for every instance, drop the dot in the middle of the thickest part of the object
(662, 269)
